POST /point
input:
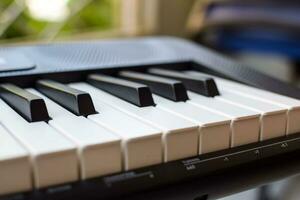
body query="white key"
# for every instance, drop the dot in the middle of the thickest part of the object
(99, 150)
(292, 105)
(15, 170)
(54, 159)
(141, 143)
(180, 136)
(244, 122)
(273, 118)
(214, 128)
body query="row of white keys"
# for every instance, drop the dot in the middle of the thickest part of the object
(99, 150)
(15, 169)
(273, 121)
(53, 157)
(214, 128)
(141, 143)
(292, 105)
(245, 125)
(180, 136)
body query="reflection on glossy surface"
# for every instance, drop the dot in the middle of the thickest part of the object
(286, 189)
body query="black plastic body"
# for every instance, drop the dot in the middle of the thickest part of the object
(78, 102)
(211, 175)
(168, 88)
(202, 85)
(135, 93)
(29, 106)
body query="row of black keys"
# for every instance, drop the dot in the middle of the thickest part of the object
(136, 90)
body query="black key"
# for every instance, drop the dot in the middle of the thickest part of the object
(28, 105)
(78, 102)
(165, 87)
(203, 85)
(132, 92)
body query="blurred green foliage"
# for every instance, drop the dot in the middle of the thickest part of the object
(96, 15)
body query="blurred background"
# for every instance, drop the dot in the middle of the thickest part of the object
(261, 33)
(264, 34)
(44, 20)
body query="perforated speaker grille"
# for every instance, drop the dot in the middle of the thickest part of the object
(97, 54)
(76, 56)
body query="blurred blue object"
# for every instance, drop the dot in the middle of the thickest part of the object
(253, 26)
(284, 12)
(261, 41)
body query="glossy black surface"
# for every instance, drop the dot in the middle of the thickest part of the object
(165, 87)
(28, 105)
(73, 62)
(12, 61)
(76, 101)
(135, 93)
(202, 85)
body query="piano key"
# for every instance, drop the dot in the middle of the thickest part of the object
(141, 143)
(168, 88)
(293, 105)
(76, 101)
(29, 106)
(15, 171)
(180, 136)
(214, 128)
(135, 93)
(203, 85)
(273, 118)
(245, 125)
(99, 150)
(53, 157)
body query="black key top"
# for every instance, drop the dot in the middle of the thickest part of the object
(78, 102)
(134, 93)
(28, 105)
(202, 85)
(165, 87)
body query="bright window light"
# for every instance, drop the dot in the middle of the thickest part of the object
(48, 10)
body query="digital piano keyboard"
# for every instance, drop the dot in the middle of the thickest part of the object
(158, 118)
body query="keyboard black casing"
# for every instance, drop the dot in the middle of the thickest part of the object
(211, 175)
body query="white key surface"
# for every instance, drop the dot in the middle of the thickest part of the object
(273, 117)
(245, 124)
(54, 159)
(141, 143)
(292, 105)
(214, 128)
(15, 169)
(99, 150)
(180, 136)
